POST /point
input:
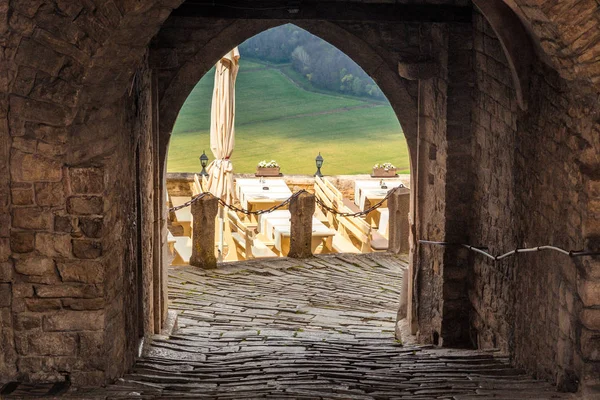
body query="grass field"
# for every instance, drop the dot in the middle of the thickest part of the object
(275, 119)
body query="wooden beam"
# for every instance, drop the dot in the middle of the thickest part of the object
(328, 10)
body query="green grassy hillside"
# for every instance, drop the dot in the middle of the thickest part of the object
(276, 119)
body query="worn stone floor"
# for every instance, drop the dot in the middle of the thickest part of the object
(317, 328)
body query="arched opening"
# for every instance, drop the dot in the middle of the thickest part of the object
(181, 83)
(354, 108)
(296, 96)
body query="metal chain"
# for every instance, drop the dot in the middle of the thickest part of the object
(283, 204)
(268, 210)
(188, 203)
(238, 209)
(356, 214)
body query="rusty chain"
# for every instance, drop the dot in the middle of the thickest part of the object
(356, 214)
(238, 209)
(283, 204)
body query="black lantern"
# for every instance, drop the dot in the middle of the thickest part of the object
(319, 162)
(204, 163)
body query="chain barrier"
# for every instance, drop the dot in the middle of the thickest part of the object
(481, 250)
(284, 203)
(268, 210)
(238, 209)
(188, 203)
(355, 214)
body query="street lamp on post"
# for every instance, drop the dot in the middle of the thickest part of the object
(319, 162)
(204, 163)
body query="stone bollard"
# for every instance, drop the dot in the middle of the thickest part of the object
(399, 207)
(204, 213)
(302, 209)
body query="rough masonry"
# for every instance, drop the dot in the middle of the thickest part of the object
(89, 91)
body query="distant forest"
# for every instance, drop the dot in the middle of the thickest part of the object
(322, 64)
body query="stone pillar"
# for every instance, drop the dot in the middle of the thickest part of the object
(204, 213)
(302, 209)
(399, 207)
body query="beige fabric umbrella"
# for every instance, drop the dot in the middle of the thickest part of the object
(222, 127)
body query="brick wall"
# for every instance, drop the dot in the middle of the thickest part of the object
(530, 191)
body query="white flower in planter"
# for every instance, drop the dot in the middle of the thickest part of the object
(268, 164)
(386, 166)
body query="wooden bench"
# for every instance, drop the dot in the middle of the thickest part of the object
(243, 236)
(355, 235)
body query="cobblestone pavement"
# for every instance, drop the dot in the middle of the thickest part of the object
(318, 328)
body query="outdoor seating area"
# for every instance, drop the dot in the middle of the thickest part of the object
(259, 226)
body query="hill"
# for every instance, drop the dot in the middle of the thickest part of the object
(277, 119)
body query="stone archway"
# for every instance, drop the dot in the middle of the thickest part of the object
(72, 115)
(175, 82)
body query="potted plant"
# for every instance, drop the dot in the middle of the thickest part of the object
(385, 170)
(267, 168)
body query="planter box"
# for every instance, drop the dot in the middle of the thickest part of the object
(267, 171)
(382, 173)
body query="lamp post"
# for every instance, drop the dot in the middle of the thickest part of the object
(204, 163)
(319, 162)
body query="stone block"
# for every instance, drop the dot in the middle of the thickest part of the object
(87, 249)
(27, 321)
(22, 241)
(589, 291)
(43, 305)
(92, 344)
(84, 304)
(5, 251)
(67, 290)
(6, 272)
(51, 134)
(590, 344)
(53, 244)
(52, 344)
(74, 321)
(83, 271)
(49, 194)
(85, 205)
(34, 168)
(24, 144)
(51, 149)
(88, 379)
(5, 294)
(63, 224)
(35, 266)
(86, 180)
(4, 224)
(21, 290)
(590, 318)
(39, 56)
(31, 218)
(22, 196)
(91, 227)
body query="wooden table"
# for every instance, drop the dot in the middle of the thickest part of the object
(255, 195)
(372, 191)
(275, 228)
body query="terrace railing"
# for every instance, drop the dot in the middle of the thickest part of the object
(205, 206)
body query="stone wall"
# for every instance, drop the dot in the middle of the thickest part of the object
(77, 118)
(531, 189)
